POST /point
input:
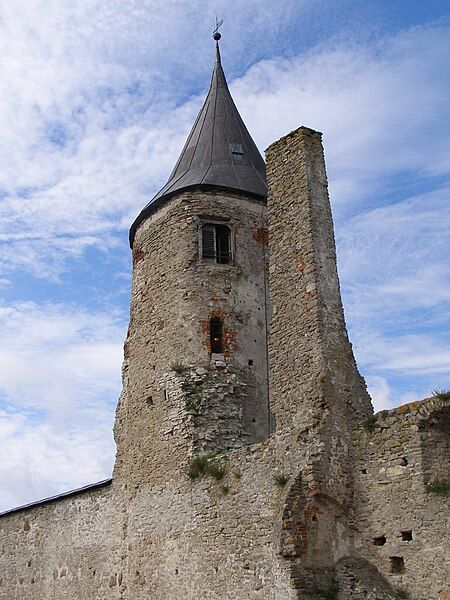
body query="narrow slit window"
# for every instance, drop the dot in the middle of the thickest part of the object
(216, 243)
(216, 335)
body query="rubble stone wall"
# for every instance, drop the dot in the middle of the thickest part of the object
(215, 496)
(174, 296)
(69, 548)
(401, 524)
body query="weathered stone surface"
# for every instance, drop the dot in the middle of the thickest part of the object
(289, 489)
(395, 460)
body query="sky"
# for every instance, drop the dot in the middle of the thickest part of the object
(97, 99)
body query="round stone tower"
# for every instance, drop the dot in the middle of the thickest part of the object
(195, 370)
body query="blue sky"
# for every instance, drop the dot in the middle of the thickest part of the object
(96, 102)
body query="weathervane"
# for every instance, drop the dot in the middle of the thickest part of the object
(216, 34)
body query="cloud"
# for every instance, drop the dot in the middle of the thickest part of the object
(94, 127)
(381, 106)
(383, 397)
(39, 460)
(59, 358)
(396, 257)
(59, 383)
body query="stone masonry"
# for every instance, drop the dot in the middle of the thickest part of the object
(260, 472)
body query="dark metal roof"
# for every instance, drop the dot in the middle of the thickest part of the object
(80, 490)
(219, 151)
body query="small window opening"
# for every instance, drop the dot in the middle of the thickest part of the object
(216, 335)
(237, 152)
(379, 541)
(407, 536)
(397, 564)
(364, 471)
(150, 400)
(404, 461)
(250, 362)
(216, 243)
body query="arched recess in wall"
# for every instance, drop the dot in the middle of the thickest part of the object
(314, 537)
(216, 335)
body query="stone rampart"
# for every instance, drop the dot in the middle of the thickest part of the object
(401, 507)
(68, 548)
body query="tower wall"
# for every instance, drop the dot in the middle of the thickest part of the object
(316, 392)
(311, 360)
(275, 524)
(179, 398)
(290, 516)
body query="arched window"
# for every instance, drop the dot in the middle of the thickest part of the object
(216, 335)
(216, 243)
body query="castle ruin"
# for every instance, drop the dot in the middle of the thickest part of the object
(249, 462)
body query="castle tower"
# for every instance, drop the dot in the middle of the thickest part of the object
(195, 370)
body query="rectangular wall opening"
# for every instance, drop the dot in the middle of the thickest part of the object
(397, 564)
(379, 541)
(407, 536)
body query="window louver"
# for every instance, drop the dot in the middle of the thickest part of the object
(208, 243)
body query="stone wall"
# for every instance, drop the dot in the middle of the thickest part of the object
(69, 548)
(215, 496)
(174, 295)
(401, 524)
(312, 369)
(254, 521)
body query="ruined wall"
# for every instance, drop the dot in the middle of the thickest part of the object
(295, 514)
(256, 521)
(401, 523)
(316, 392)
(69, 548)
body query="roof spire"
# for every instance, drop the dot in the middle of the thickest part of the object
(219, 151)
(216, 34)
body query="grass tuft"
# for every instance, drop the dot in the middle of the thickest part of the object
(207, 464)
(443, 395)
(369, 423)
(439, 487)
(224, 489)
(177, 367)
(194, 397)
(281, 480)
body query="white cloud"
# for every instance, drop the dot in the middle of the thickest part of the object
(91, 133)
(380, 392)
(58, 358)
(39, 459)
(396, 257)
(383, 397)
(59, 383)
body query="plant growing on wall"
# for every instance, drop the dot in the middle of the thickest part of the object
(177, 367)
(369, 423)
(207, 464)
(193, 396)
(281, 480)
(439, 487)
(443, 395)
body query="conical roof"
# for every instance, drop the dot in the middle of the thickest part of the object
(219, 151)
